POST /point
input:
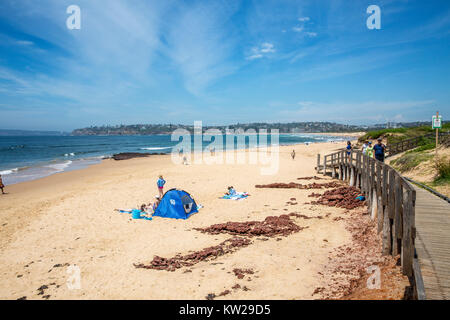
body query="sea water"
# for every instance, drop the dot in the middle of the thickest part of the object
(29, 158)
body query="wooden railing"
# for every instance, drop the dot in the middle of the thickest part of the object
(390, 198)
(408, 144)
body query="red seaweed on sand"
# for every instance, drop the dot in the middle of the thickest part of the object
(270, 227)
(171, 264)
(343, 197)
(293, 185)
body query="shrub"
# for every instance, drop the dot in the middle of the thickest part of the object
(442, 167)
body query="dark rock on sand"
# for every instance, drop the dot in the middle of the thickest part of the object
(210, 296)
(130, 155)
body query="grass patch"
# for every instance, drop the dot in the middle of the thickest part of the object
(442, 167)
(410, 160)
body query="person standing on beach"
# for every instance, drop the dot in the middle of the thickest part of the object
(160, 183)
(2, 185)
(293, 154)
(379, 149)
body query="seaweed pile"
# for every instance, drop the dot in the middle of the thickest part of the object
(179, 261)
(270, 227)
(310, 178)
(293, 185)
(240, 273)
(343, 197)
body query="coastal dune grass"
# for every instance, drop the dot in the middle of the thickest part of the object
(442, 167)
(410, 160)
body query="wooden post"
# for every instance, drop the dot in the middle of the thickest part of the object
(391, 195)
(398, 228)
(386, 234)
(385, 186)
(379, 198)
(408, 247)
(437, 137)
(374, 204)
(333, 172)
(318, 163)
(324, 165)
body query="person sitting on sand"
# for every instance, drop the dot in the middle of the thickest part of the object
(2, 185)
(156, 203)
(160, 183)
(231, 191)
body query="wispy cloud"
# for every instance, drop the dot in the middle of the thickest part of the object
(261, 51)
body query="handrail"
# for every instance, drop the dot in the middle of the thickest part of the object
(411, 143)
(390, 197)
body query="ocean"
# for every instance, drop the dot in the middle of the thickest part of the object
(29, 158)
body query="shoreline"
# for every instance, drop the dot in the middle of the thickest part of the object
(83, 163)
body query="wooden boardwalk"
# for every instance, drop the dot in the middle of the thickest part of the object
(433, 243)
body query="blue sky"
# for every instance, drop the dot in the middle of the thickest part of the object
(221, 62)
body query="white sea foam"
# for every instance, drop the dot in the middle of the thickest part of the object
(156, 148)
(60, 166)
(69, 154)
(11, 171)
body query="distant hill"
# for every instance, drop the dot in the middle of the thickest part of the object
(292, 127)
(5, 132)
(150, 129)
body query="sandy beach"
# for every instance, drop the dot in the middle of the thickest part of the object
(69, 219)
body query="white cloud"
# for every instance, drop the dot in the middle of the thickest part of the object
(303, 19)
(24, 43)
(255, 56)
(311, 34)
(260, 51)
(267, 47)
(297, 29)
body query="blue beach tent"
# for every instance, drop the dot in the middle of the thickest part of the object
(177, 204)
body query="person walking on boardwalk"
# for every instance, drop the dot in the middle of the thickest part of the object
(2, 185)
(349, 148)
(379, 150)
(293, 154)
(364, 146)
(369, 149)
(160, 183)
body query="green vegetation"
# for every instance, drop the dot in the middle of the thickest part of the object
(442, 167)
(394, 135)
(149, 129)
(410, 160)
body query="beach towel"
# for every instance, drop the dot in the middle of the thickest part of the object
(236, 196)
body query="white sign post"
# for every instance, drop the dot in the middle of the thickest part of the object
(436, 123)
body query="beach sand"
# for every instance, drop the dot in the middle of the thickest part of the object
(69, 219)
